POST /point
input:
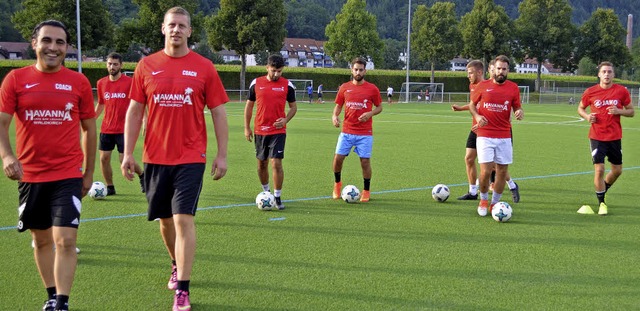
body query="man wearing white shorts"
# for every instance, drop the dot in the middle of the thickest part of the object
(491, 107)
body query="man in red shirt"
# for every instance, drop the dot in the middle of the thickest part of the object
(51, 103)
(176, 85)
(607, 101)
(361, 101)
(475, 73)
(491, 107)
(113, 99)
(270, 92)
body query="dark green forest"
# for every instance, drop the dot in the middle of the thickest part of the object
(308, 18)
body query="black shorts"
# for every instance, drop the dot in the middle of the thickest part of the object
(471, 140)
(55, 203)
(610, 149)
(319, 95)
(172, 189)
(109, 141)
(270, 146)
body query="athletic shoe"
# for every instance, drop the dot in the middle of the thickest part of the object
(141, 177)
(173, 280)
(111, 190)
(482, 208)
(603, 209)
(365, 196)
(337, 188)
(49, 305)
(515, 193)
(468, 196)
(181, 301)
(279, 203)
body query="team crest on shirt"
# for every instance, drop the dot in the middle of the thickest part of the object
(49, 116)
(174, 100)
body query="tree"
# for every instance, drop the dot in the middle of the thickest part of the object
(306, 19)
(353, 33)
(435, 36)
(486, 31)
(391, 53)
(544, 31)
(7, 30)
(144, 30)
(602, 37)
(96, 26)
(247, 26)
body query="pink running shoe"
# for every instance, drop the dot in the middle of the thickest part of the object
(173, 280)
(181, 301)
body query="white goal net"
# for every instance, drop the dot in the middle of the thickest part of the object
(301, 88)
(524, 94)
(421, 92)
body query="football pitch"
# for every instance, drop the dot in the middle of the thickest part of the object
(400, 251)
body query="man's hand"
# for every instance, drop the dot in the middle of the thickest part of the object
(12, 167)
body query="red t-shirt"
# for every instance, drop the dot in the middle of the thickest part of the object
(176, 91)
(472, 89)
(607, 126)
(271, 97)
(114, 95)
(496, 102)
(356, 100)
(48, 108)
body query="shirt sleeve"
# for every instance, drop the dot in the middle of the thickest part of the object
(8, 99)
(291, 93)
(87, 111)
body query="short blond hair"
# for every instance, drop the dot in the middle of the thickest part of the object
(180, 11)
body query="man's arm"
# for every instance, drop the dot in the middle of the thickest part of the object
(627, 110)
(480, 119)
(248, 112)
(455, 107)
(221, 128)
(89, 150)
(336, 115)
(281, 122)
(132, 125)
(591, 117)
(368, 115)
(10, 164)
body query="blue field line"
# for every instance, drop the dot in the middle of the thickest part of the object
(327, 197)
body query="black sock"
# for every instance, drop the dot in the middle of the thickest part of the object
(183, 285)
(51, 292)
(607, 186)
(62, 302)
(173, 263)
(367, 183)
(337, 176)
(600, 196)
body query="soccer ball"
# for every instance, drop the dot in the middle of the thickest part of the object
(98, 191)
(440, 192)
(265, 201)
(501, 212)
(350, 194)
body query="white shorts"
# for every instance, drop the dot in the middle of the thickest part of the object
(498, 150)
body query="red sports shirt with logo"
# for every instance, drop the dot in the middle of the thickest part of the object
(356, 100)
(496, 102)
(472, 89)
(175, 91)
(48, 108)
(607, 126)
(271, 97)
(114, 95)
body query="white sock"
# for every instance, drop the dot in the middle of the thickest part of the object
(484, 195)
(496, 198)
(265, 187)
(276, 193)
(473, 189)
(511, 183)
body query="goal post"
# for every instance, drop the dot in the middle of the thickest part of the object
(421, 92)
(300, 85)
(524, 94)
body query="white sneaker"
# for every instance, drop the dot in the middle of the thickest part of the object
(482, 208)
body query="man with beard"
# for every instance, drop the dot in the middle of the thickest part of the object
(491, 107)
(113, 99)
(270, 92)
(361, 101)
(607, 102)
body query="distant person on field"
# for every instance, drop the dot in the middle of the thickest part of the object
(389, 94)
(270, 92)
(176, 85)
(607, 101)
(310, 93)
(361, 101)
(491, 105)
(113, 99)
(56, 147)
(320, 90)
(475, 73)
(427, 97)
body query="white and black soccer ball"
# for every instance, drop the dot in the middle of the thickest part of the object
(350, 194)
(440, 192)
(265, 201)
(98, 191)
(501, 212)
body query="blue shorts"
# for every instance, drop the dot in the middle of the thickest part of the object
(363, 145)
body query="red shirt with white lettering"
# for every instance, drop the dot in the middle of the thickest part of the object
(496, 102)
(175, 91)
(472, 89)
(114, 95)
(271, 97)
(48, 108)
(356, 100)
(607, 126)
